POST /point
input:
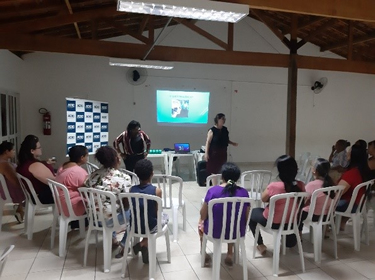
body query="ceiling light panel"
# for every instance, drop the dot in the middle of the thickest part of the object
(193, 9)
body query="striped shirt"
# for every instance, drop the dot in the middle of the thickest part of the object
(124, 140)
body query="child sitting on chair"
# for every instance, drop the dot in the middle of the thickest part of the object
(145, 171)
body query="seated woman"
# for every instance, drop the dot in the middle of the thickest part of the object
(145, 171)
(322, 180)
(7, 169)
(230, 173)
(35, 170)
(109, 178)
(371, 153)
(338, 159)
(357, 173)
(73, 176)
(287, 168)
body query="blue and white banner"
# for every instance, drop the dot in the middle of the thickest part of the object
(87, 123)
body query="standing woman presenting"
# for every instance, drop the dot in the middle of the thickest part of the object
(216, 145)
(135, 144)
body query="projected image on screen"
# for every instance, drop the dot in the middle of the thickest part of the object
(182, 106)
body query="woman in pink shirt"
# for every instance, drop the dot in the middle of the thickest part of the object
(73, 176)
(287, 168)
(322, 180)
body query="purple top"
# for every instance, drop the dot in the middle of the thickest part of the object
(217, 192)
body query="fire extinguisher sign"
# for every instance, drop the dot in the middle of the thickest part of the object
(87, 123)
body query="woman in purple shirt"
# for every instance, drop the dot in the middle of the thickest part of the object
(230, 174)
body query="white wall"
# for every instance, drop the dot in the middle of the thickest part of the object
(253, 98)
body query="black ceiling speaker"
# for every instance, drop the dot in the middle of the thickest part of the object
(136, 76)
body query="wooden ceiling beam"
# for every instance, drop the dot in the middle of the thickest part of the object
(60, 20)
(306, 24)
(344, 43)
(230, 36)
(316, 32)
(127, 31)
(67, 2)
(143, 24)
(350, 40)
(17, 42)
(202, 32)
(361, 10)
(269, 24)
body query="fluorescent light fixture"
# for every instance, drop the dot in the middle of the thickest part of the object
(149, 64)
(194, 9)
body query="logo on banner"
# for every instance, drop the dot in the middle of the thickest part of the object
(96, 107)
(104, 137)
(88, 137)
(88, 117)
(104, 127)
(104, 144)
(71, 138)
(80, 116)
(80, 127)
(70, 105)
(71, 117)
(104, 118)
(80, 137)
(71, 127)
(104, 107)
(88, 127)
(89, 147)
(96, 137)
(95, 146)
(88, 106)
(96, 127)
(96, 117)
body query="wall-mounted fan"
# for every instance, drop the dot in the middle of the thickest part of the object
(319, 85)
(136, 76)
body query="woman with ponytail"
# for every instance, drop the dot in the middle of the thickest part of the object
(322, 180)
(287, 168)
(230, 173)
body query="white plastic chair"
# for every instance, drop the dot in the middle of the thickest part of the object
(167, 183)
(8, 199)
(4, 257)
(329, 205)
(211, 179)
(236, 213)
(288, 225)
(31, 208)
(356, 216)
(90, 167)
(97, 221)
(135, 200)
(254, 182)
(133, 176)
(61, 196)
(303, 162)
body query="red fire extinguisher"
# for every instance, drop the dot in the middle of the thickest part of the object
(46, 121)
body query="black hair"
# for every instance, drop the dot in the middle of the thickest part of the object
(133, 124)
(230, 173)
(359, 158)
(28, 144)
(144, 169)
(218, 117)
(361, 143)
(371, 143)
(76, 152)
(6, 146)
(107, 156)
(322, 167)
(288, 169)
(344, 143)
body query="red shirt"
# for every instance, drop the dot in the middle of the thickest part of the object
(353, 178)
(23, 169)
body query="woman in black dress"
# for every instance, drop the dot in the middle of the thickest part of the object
(216, 145)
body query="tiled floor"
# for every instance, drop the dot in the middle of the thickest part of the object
(34, 259)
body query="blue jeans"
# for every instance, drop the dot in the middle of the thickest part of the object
(121, 221)
(343, 205)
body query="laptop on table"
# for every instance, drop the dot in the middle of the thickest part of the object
(182, 148)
